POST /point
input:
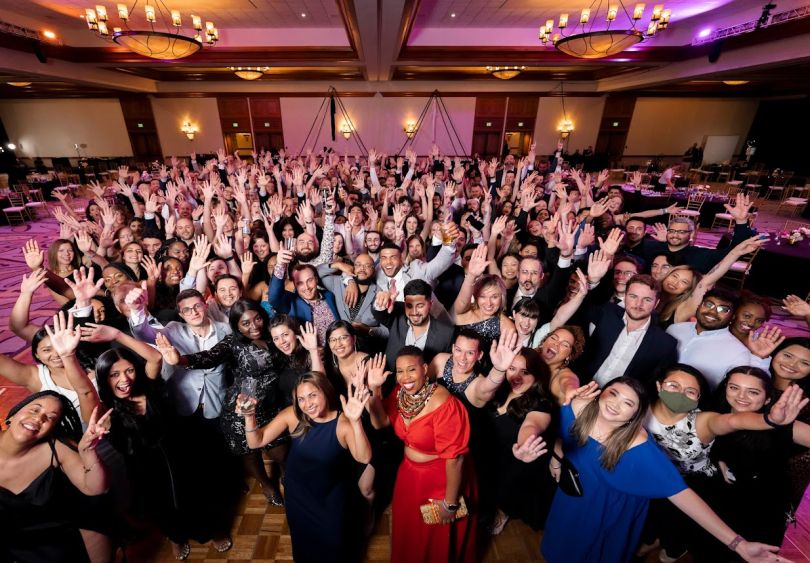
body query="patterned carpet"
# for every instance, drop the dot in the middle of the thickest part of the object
(260, 532)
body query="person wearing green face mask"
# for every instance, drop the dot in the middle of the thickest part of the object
(686, 434)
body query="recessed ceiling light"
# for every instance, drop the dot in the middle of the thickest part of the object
(453, 15)
(48, 34)
(303, 14)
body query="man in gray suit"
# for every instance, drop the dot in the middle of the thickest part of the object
(354, 296)
(393, 268)
(197, 395)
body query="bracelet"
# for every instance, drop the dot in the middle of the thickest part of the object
(500, 370)
(249, 430)
(229, 258)
(738, 539)
(768, 421)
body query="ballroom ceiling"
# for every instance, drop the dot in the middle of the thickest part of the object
(390, 46)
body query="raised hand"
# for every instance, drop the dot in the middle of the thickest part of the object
(96, 429)
(567, 230)
(199, 258)
(478, 262)
(768, 340)
(96, 188)
(789, 405)
(170, 354)
(152, 268)
(96, 333)
(530, 450)
(309, 337)
(245, 405)
(137, 297)
(84, 288)
(636, 178)
(84, 242)
(223, 247)
(587, 236)
(284, 257)
(34, 257)
(796, 306)
(354, 407)
(660, 232)
(504, 351)
(598, 264)
(613, 242)
(376, 375)
(742, 205)
(748, 246)
(587, 392)
(498, 225)
(64, 337)
(34, 281)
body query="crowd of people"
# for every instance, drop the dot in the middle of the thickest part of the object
(468, 341)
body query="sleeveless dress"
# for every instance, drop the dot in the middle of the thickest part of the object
(489, 330)
(48, 384)
(605, 523)
(445, 433)
(316, 487)
(446, 379)
(36, 524)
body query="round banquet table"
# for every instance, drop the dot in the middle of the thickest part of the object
(781, 269)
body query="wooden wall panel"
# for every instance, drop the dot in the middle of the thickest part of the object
(141, 127)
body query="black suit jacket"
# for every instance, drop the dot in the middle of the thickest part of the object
(547, 297)
(439, 337)
(658, 350)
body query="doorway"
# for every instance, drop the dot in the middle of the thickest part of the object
(241, 143)
(519, 142)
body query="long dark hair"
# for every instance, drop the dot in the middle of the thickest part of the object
(535, 395)
(67, 430)
(330, 363)
(721, 403)
(619, 441)
(320, 381)
(299, 359)
(241, 307)
(802, 341)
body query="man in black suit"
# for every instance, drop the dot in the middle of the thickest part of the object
(532, 283)
(628, 342)
(410, 323)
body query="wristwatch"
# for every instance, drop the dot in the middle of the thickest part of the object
(451, 507)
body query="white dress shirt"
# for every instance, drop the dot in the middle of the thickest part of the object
(713, 352)
(622, 353)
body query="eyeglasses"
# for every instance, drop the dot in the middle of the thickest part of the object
(679, 231)
(336, 339)
(712, 306)
(675, 387)
(624, 273)
(196, 309)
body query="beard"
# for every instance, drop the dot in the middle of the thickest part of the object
(307, 256)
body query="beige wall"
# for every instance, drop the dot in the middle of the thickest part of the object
(379, 121)
(584, 113)
(669, 126)
(50, 128)
(171, 113)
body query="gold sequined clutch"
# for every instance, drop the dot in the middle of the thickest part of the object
(430, 511)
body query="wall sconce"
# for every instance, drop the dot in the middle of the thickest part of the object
(189, 130)
(565, 128)
(410, 129)
(346, 130)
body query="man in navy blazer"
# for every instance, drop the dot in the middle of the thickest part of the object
(628, 342)
(308, 295)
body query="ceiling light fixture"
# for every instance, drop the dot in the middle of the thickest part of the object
(249, 72)
(453, 15)
(585, 42)
(735, 82)
(148, 38)
(566, 126)
(48, 34)
(19, 84)
(505, 72)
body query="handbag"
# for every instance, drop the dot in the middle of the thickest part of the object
(430, 511)
(569, 481)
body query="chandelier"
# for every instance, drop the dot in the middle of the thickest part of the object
(505, 72)
(248, 72)
(585, 42)
(159, 37)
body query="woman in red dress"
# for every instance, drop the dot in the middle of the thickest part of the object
(435, 428)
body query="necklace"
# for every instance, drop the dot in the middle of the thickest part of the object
(410, 406)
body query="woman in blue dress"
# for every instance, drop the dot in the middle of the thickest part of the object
(318, 475)
(620, 469)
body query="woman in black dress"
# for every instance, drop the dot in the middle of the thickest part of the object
(40, 472)
(754, 464)
(318, 477)
(143, 429)
(248, 354)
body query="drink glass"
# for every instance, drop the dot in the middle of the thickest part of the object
(247, 391)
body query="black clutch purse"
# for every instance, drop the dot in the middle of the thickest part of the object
(569, 481)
